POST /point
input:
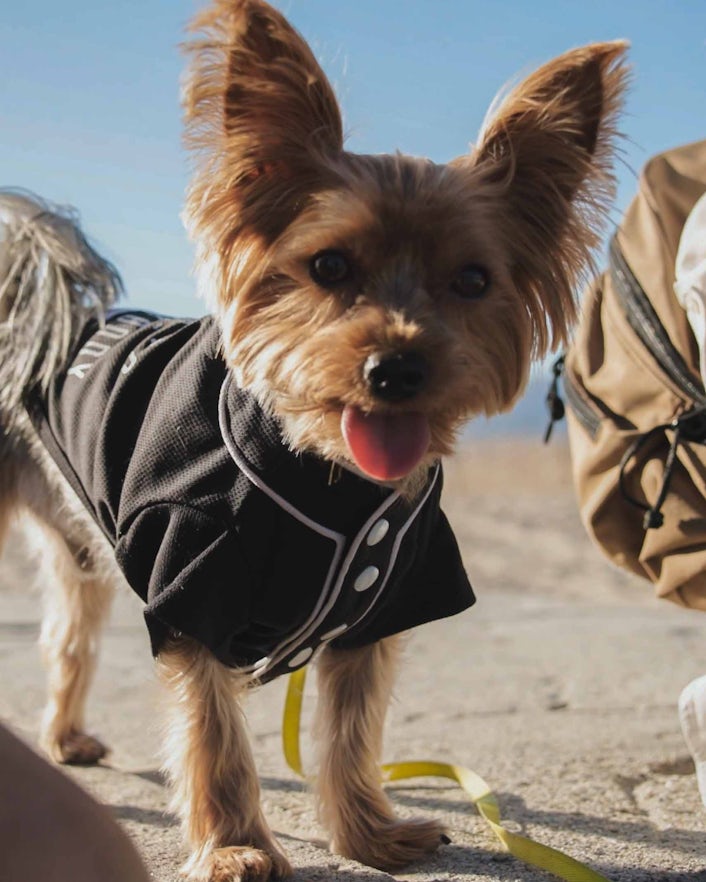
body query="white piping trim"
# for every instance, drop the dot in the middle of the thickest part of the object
(336, 632)
(260, 484)
(345, 566)
(318, 615)
(396, 546)
(338, 538)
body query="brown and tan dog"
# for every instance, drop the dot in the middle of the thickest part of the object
(369, 306)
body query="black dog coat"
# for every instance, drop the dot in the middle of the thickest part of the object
(228, 536)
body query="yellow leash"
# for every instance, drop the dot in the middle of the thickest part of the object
(521, 847)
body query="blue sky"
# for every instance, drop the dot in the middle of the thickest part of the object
(89, 109)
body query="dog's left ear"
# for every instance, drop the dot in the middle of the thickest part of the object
(548, 152)
(261, 117)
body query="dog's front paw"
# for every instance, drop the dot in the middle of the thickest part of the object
(75, 749)
(238, 863)
(391, 845)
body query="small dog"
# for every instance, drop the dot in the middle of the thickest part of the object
(267, 478)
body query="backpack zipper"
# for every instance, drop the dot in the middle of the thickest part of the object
(581, 409)
(645, 322)
(643, 319)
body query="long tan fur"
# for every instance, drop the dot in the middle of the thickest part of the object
(355, 688)
(215, 786)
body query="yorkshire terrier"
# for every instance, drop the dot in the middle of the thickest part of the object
(267, 479)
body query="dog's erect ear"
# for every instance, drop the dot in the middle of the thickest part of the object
(259, 111)
(549, 146)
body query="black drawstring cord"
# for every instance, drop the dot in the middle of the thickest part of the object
(680, 427)
(632, 451)
(654, 517)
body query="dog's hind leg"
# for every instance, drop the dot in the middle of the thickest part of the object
(77, 602)
(355, 687)
(216, 791)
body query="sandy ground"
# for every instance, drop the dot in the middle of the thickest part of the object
(559, 688)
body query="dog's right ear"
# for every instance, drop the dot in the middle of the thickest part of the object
(260, 115)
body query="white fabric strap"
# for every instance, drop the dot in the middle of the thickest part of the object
(690, 271)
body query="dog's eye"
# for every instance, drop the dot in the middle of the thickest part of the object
(471, 283)
(330, 268)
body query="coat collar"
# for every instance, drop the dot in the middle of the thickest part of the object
(301, 483)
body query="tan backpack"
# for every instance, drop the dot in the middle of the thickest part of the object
(637, 405)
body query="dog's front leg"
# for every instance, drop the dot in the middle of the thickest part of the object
(355, 687)
(215, 786)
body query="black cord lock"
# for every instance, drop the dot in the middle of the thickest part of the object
(555, 405)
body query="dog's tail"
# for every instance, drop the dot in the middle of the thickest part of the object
(50, 280)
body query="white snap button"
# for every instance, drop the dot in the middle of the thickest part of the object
(367, 578)
(378, 532)
(300, 658)
(333, 634)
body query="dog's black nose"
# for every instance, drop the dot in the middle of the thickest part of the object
(396, 377)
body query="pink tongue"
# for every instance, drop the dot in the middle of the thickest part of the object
(383, 445)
